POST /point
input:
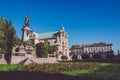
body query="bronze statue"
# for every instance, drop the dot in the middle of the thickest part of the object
(27, 21)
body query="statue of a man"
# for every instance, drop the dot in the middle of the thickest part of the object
(27, 21)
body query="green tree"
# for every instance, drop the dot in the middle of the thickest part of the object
(110, 56)
(8, 38)
(3, 26)
(97, 56)
(11, 40)
(74, 57)
(52, 49)
(41, 50)
(85, 56)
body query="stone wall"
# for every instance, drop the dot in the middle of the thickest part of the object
(2, 60)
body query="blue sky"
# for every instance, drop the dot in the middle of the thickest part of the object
(85, 21)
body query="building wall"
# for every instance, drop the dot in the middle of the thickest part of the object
(52, 41)
(64, 42)
(61, 42)
(2, 59)
(91, 49)
(97, 49)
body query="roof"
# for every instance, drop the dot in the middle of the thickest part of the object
(91, 45)
(48, 35)
(98, 44)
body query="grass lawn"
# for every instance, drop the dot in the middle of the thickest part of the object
(11, 67)
(79, 72)
(107, 71)
(104, 71)
(85, 71)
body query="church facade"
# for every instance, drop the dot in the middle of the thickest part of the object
(56, 38)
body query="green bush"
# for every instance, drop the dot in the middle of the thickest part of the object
(64, 57)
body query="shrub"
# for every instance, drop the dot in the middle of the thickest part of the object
(59, 67)
(64, 57)
(96, 56)
(85, 56)
(74, 57)
(110, 56)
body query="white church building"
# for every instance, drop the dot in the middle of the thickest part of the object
(56, 38)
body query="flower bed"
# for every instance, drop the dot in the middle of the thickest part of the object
(58, 67)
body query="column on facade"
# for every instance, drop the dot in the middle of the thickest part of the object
(57, 41)
(60, 37)
(67, 40)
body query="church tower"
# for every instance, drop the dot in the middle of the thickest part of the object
(26, 30)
